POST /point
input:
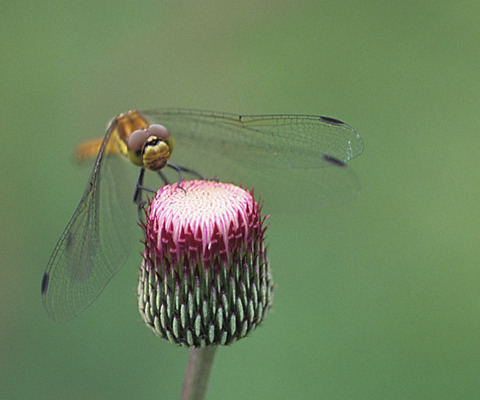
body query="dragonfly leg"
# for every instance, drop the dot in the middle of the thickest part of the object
(137, 196)
(179, 169)
(163, 177)
(196, 173)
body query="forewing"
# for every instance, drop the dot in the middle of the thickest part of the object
(273, 153)
(96, 241)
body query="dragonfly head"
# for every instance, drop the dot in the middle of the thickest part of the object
(150, 147)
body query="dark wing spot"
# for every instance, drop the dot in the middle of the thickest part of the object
(332, 121)
(334, 161)
(45, 282)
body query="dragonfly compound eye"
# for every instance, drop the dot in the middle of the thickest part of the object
(159, 131)
(135, 145)
(162, 133)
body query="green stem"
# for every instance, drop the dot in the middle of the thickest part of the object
(199, 365)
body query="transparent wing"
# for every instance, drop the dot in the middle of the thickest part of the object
(280, 155)
(96, 241)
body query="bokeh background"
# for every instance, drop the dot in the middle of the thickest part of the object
(376, 299)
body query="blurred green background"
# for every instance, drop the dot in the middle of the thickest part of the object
(376, 299)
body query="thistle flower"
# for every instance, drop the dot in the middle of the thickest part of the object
(205, 277)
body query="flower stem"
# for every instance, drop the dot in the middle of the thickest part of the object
(199, 365)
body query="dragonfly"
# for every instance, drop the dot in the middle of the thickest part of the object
(299, 158)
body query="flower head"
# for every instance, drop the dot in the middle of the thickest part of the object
(205, 277)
